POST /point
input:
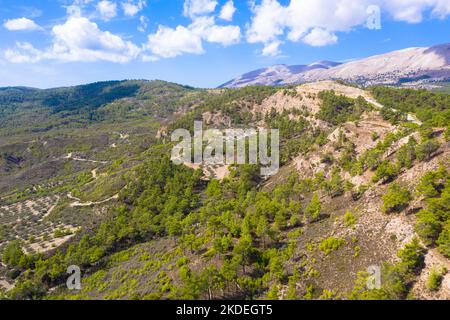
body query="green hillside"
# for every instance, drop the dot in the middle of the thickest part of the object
(86, 180)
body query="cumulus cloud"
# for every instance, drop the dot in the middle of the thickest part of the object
(442, 9)
(81, 40)
(272, 49)
(272, 23)
(169, 42)
(21, 24)
(172, 42)
(267, 23)
(107, 9)
(194, 8)
(413, 11)
(317, 22)
(206, 28)
(319, 37)
(227, 11)
(131, 8)
(78, 39)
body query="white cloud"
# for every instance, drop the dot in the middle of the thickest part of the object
(442, 9)
(78, 39)
(131, 8)
(149, 58)
(194, 8)
(273, 22)
(206, 28)
(317, 22)
(81, 40)
(412, 11)
(21, 24)
(319, 37)
(24, 53)
(267, 23)
(107, 9)
(227, 11)
(272, 49)
(76, 6)
(169, 43)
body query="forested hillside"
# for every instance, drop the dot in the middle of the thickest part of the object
(361, 185)
(33, 110)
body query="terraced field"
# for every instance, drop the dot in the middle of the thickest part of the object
(27, 221)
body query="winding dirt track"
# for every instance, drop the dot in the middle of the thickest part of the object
(78, 202)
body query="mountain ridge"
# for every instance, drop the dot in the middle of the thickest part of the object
(416, 66)
(277, 71)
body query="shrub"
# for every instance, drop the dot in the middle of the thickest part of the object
(443, 241)
(396, 282)
(314, 208)
(349, 219)
(395, 199)
(386, 171)
(60, 233)
(335, 186)
(392, 116)
(13, 254)
(447, 134)
(435, 278)
(27, 290)
(425, 150)
(428, 227)
(359, 192)
(327, 158)
(375, 136)
(407, 154)
(338, 109)
(412, 257)
(330, 244)
(431, 184)
(433, 224)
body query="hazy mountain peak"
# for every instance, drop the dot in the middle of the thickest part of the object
(417, 65)
(276, 74)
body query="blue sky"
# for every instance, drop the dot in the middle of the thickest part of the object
(202, 43)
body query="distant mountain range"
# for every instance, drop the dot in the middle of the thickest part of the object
(412, 66)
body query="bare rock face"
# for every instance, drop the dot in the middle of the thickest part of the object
(412, 66)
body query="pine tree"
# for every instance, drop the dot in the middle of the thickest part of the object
(314, 208)
(262, 229)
